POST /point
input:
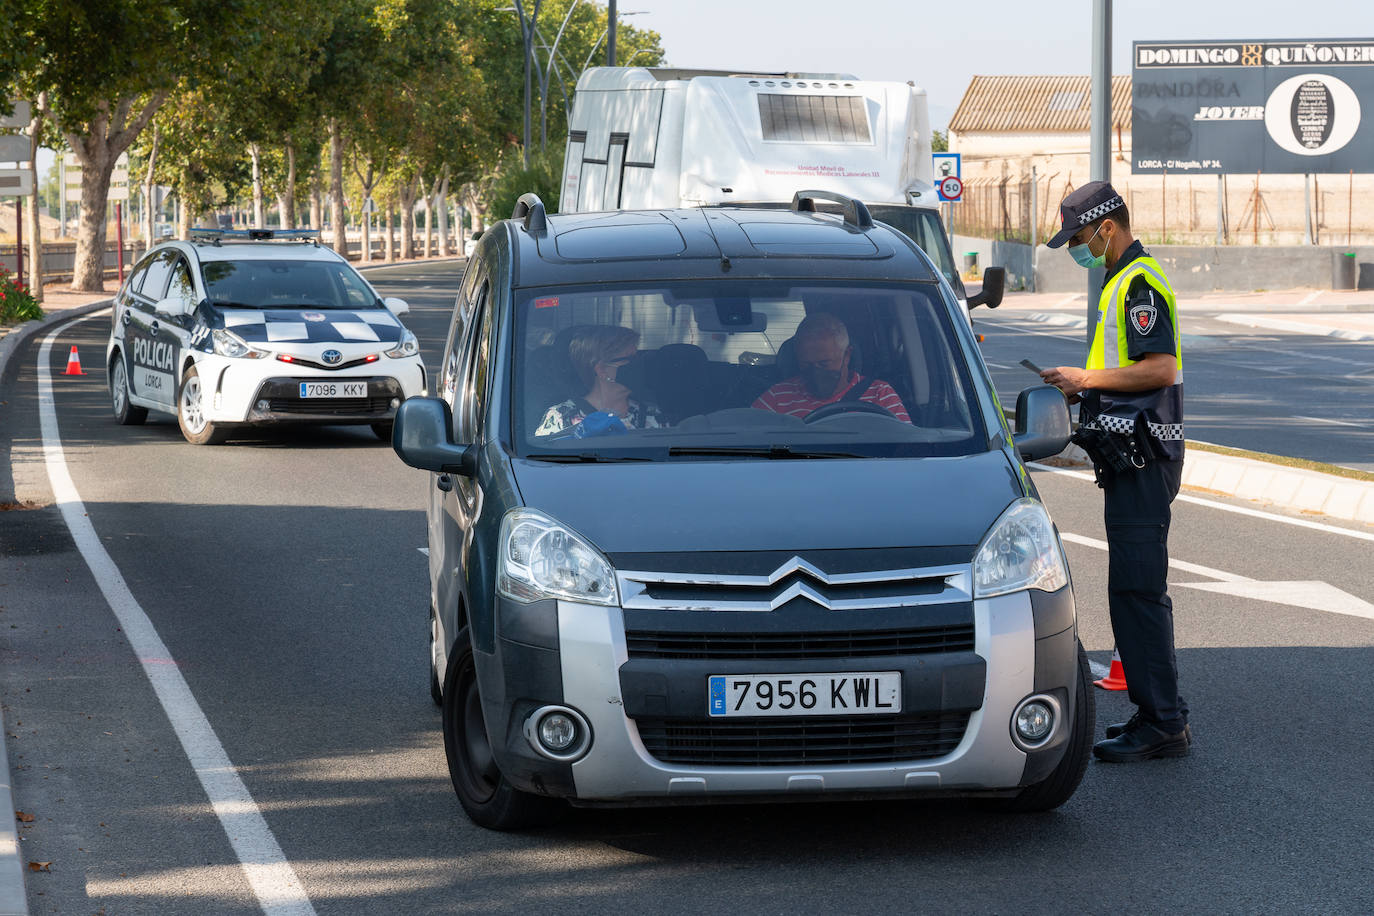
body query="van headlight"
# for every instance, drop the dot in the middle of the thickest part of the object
(227, 343)
(542, 559)
(408, 346)
(1021, 551)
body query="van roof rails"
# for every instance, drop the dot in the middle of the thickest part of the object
(855, 213)
(531, 209)
(215, 236)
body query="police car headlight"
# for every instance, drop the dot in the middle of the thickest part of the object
(227, 343)
(542, 559)
(1021, 551)
(408, 346)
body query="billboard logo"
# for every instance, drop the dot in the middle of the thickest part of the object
(1251, 55)
(1312, 114)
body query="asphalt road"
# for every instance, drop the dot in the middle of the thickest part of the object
(1288, 394)
(283, 575)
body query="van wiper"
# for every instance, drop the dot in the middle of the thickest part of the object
(748, 451)
(588, 457)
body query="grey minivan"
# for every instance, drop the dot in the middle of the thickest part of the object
(724, 507)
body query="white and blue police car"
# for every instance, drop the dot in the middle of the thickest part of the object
(254, 327)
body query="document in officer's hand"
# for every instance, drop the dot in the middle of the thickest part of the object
(1031, 366)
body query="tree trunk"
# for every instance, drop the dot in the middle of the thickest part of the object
(105, 136)
(183, 210)
(288, 213)
(149, 192)
(316, 203)
(336, 200)
(259, 217)
(409, 191)
(443, 216)
(390, 233)
(35, 240)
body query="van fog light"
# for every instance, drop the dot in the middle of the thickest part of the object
(558, 732)
(263, 405)
(1034, 720)
(395, 402)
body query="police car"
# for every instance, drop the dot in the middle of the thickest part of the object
(257, 327)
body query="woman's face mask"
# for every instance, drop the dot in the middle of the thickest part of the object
(1083, 254)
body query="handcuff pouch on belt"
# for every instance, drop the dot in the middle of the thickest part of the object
(1114, 443)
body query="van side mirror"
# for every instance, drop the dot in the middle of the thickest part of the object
(422, 435)
(1042, 422)
(994, 283)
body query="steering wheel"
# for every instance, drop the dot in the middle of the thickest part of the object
(839, 407)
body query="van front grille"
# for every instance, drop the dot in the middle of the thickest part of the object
(803, 741)
(839, 644)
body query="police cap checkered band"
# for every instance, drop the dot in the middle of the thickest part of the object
(1093, 201)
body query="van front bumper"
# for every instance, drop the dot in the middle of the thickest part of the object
(978, 691)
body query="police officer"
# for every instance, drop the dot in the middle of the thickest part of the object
(1131, 393)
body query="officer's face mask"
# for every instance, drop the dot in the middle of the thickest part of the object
(1083, 254)
(819, 382)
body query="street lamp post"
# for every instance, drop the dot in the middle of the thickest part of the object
(610, 30)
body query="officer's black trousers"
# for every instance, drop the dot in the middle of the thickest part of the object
(1138, 515)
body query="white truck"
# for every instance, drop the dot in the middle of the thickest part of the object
(641, 138)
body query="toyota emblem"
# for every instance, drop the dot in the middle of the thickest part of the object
(331, 357)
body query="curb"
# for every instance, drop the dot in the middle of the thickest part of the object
(1298, 327)
(1275, 485)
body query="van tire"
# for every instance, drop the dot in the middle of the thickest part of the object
(191, 412)
(1055, 789)
(483, 791)
(126, 414)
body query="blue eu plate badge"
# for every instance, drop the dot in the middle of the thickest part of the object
(717, 687)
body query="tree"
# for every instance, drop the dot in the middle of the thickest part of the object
(102, 101)
(939, 141)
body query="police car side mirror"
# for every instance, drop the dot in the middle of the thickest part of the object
(1042, 423)
(422, 436)
(397, 307)
(994, 283)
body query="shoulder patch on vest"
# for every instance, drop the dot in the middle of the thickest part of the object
(1143, 316)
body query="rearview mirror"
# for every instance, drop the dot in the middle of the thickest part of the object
(994, 282)
(1042, 423)
(422, 436)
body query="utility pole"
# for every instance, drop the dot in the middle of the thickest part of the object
(610, 33)
(1101, 122)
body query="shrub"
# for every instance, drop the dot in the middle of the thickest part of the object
(16, 302)
(543, 177)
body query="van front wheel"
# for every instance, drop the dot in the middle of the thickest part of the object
(485, 794)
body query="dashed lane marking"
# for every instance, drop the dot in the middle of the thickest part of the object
(273, 880)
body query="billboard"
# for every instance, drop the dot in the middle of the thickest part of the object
(1285, 106)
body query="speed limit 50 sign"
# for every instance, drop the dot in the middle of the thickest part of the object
(951, 187)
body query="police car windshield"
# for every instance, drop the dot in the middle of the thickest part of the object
(757, 369)
(278, 284)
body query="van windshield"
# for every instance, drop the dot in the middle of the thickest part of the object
(776, 369)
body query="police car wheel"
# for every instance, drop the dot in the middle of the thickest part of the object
(483, 791)
(195, 427)
(125, 412)
(382, 430)
(1055, 789)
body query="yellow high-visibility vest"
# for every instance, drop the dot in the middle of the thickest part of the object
(1111, 343)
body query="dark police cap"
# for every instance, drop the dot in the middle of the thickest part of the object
(1093, 201)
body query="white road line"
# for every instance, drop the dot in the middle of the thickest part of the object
(1239, 510)
(1305, 300)
(271, 876)
(1001, 326)
(1336, 422)
(423, 550)
(1180, 565)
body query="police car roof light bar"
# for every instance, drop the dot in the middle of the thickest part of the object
(215, 236)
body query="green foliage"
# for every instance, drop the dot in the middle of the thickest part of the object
(939, 141)
(544, 177)
(16, 302)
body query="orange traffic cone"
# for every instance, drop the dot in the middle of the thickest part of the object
(73, 363)
(1116, 675)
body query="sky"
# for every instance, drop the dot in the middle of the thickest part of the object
(941, 46)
